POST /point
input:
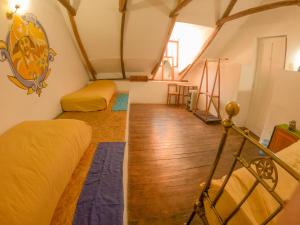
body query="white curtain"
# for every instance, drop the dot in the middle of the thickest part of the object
(167, 70)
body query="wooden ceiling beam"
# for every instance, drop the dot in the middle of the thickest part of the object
(68, 6)
(81, 47)
(229, 8)
(122, 9)
(122, 5)
(179, 6)
(122, 45)
(209, 40)
(257, 9)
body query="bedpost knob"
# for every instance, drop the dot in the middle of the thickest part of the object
(232, 109)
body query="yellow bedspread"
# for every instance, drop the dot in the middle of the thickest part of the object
(95, 96)
(260, 203)
(107, 126)
(36, 163)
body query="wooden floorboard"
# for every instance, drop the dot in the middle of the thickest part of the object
(170, 153)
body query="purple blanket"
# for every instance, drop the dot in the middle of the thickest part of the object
(101, 200)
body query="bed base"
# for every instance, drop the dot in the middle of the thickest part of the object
(263, 169)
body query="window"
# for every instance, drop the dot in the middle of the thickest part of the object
(172, 52)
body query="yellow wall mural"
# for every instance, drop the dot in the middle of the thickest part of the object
(28, 53)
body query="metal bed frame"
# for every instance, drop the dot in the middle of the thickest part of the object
(263, 169)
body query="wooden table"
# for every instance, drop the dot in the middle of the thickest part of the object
(282, 137)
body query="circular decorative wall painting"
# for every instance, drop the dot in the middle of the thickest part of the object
(28, 53)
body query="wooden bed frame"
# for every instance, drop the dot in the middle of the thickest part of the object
(263, 169)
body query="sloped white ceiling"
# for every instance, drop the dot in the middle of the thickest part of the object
(200, 12)
(146, 28)
(99, 25)
(206, 13)
(230, 29)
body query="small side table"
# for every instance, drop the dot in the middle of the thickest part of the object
(282, 137)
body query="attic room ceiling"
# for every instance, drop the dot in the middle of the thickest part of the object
(146, 26)
(163, 6)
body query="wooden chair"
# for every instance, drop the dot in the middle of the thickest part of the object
(173, 90)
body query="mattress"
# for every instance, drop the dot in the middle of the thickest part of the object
(94, 97)
(260, 204)
(36, 163)
(107, 126)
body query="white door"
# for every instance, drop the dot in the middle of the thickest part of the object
(270, 57)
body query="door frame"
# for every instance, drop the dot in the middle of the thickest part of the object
(256, 62)
(267, 37)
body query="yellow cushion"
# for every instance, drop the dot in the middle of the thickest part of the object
(37, 160)
(96, 96)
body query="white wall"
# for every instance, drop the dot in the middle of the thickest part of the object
(282, 21)
(285, 103)
(241, 48)
(152, 92)
(67, 74)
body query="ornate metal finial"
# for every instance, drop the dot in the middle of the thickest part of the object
(232, 109)
(266, 169)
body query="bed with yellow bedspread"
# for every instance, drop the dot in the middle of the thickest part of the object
(107, 126)
(44, 164)
(37, 161)
(95, 96)
(260, 204)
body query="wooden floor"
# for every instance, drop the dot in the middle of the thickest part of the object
(170, 154)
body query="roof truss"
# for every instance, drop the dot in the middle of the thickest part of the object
(122, 9)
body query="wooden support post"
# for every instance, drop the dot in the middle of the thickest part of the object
(211, 97)
(257, 9)
(200, 85)
(122, 45)
(212, 94)
(67, 5)
(122, 5)
(81, 47)
(179, 6)
(229, 8)
(206, 89)
(122, 9)
(219, 90)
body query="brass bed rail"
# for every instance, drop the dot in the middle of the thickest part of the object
(263, 169)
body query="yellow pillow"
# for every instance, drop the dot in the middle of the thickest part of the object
(37, 160)
(95, 96)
